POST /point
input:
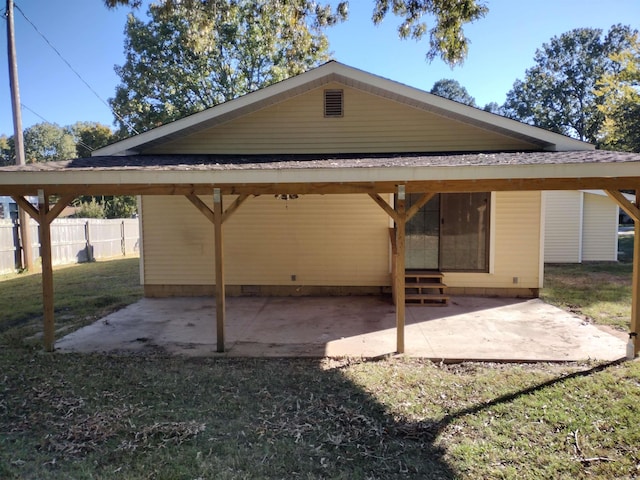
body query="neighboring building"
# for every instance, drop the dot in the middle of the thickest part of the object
(483, 242)
(7, 208)
(580, 226)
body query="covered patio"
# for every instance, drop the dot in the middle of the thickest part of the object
(244, 177)
(471, 328)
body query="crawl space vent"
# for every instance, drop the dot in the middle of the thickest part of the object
(333, 103)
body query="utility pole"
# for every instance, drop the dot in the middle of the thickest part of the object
(25, 234)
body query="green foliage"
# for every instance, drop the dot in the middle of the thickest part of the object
(186, 59)
(493, 107)
(108, 206)
(45, 142)
(446, 37)
(451, 89)
(90, 209)
(90, 136)
(620, 94)
(121, 206)
(7, 154)
(558, 93)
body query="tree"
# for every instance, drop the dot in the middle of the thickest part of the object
(45, 142)
(7, 153)
(558, 93)
(90, 208)
(122, 206)
(190, 58)
(90, 136)
(452, 90)
(493, 107)
(446, 36)
(620, 106)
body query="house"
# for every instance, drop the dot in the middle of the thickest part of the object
(337, 182)
(581, 226)
(340, 244)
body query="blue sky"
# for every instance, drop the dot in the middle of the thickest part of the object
(91, 38)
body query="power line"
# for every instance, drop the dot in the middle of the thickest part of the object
(78, 141)
(75, 71)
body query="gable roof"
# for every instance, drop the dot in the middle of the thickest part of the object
(336, 72)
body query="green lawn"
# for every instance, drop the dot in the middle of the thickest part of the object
(157, 417)
(83, 293)
(599, 291)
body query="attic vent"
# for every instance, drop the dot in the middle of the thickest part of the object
(333, 103)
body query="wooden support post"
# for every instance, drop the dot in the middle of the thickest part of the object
(400, 269)
(635, 283)
(634, 212)
(220, 294)
(47, 272)
(218, 216)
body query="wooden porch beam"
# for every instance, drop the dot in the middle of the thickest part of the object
(632, 210)
(233, 207)
(207, 212)
(44, 216)
(219, 257)
(385, 206)
(635, 281)
(47, 272)
(60, 205)
(203, 207)
(370, 187)
(424, 199)
(400, 268)
(27, 207)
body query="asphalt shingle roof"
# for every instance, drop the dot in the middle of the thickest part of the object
(212, 162)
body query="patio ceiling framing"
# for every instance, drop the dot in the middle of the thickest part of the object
(67, 190)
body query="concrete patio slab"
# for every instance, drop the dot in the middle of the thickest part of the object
(471, 328)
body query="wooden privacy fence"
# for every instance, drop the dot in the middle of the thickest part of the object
(73, 240)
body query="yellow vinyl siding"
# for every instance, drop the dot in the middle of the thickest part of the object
(333, 240)
(516, 244)
(370, 124)
(177, 242)
(337, 240)
(600, 229)
(563, 227)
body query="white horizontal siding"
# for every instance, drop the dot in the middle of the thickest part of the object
(563, 227)
(600, 229)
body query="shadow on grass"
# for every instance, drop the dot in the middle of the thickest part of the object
(161, 417)
(94, 416)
